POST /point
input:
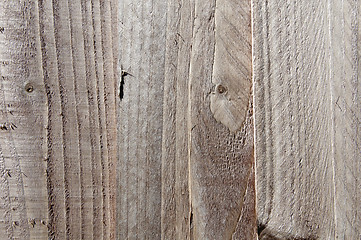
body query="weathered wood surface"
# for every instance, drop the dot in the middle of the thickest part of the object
(23, 182)
(142, 48)
(58, 135)
(182, 174)
(220, 162)
(307, 118)
(232, 63)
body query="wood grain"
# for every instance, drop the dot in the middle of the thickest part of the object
(181, 174)
(58, 89)
(220, 161)
(176, 212)
(142, 49)
(345, 71)
(307, 109)
(23, 195)
(231, 68)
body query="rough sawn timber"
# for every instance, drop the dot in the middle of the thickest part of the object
(182, 174)
(58, 119)
(307, 107)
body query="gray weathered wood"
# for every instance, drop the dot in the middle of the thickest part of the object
(182, 174)
(232, 63)
(23, 120)
(220, 162)
(185, 161)
(175, 177)
(58, 134)
(345, 80)
(307, 118)
(142, 26)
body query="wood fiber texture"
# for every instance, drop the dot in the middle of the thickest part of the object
(58, 133)
(23, 120)
(231, 68)
(182, 174)
(307, 118)
(142, 48)
(101, 140)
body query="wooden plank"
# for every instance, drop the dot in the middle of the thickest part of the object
(23, 192)
(345, 70)
(57, 97)
(307, 146)
(176, 212)
(220, 161)
(206, 170)
(142, 49)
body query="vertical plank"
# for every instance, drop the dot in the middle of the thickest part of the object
(345, 71)
(220, 160)
(23, 196)
(58, 119)
(82, 111)
(305, 68)
(142, 49)
(206, 170)
(100, 78)
(292, 109)
(176, 212)
(55, 169)
(169, 194)
(80, 95)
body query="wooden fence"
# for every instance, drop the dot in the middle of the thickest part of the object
(180, 119)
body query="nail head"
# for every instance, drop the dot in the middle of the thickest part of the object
(29, 88)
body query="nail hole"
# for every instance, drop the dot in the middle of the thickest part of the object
(221, 89)
(29, 88)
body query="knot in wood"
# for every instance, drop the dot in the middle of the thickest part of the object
(221, 89)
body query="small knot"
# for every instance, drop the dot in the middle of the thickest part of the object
(221, 89)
